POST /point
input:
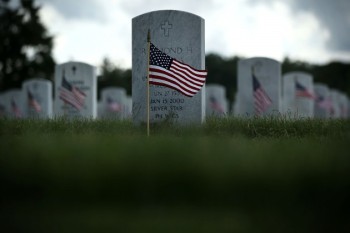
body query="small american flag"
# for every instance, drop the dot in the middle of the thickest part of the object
(112, 105)
(302, 91)
(215, 105)
(32, 102)
(166, 71)
(261, 100)
(324, 103)
(71, 95)
(15, 109)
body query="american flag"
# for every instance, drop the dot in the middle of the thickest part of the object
(112, 105)
(72, 95)
(32, 102)
(324, 103)
(166, 71)
(215, 105)
(15, 109)
(261, 100)
(302, 91)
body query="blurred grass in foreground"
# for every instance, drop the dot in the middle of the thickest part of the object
(229, 175)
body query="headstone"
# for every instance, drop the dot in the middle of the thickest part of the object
(113, 103)
(323, 103)
(335, 113)
(15, 103)
(128, 107)
(348, 107)
(180, 35)
(298, 94)
(259, 87)
(343, 105)
(75, 90)
(216, 103)
(3, 105)
(99, 110)
(37, 98)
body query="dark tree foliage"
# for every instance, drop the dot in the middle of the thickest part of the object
(222, 71)
(25, 48)
(114, 76)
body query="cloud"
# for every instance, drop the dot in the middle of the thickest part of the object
(332, 14)
(270, 28)
(91, 10)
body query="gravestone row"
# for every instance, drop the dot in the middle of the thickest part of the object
(262, 90)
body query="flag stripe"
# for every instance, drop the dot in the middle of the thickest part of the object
(166, 71)
(161, 72)
(15, 109)
(215, 105)
(70, 98)
(192, 79)
(261, 100)
(71, 94)
(32, 102)
(200, 75)
(172, 83)
(302, 91)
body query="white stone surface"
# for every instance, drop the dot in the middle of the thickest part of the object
(297, 106)
(82, 94)
(3, 105)
(335, 101)
(15, 103)
(113, 100)
(128, 107)
(343, 105)
(180, 35)
(38, 98)
(216, 103)
(322, 106)
(268, 73)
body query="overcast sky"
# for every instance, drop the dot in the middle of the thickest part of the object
(315, 31)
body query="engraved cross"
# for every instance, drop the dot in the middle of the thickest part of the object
(74, 69)
(166, 27)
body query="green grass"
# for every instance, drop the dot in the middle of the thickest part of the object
(227, 175)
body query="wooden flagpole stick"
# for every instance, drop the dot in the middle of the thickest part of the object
(148, 60)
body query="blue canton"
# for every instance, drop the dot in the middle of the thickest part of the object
(158, 58)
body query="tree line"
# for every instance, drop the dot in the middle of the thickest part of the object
(26, 52)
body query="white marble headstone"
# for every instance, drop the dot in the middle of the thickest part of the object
(216, 103)
(335, 113)
(38, 98)
(99, 110)
(3, 105)
(113, 102)
(268, 75)
(323, 105)
(343, 105)
(75, 90)
(348, 107)
(180, 35)
(295, 105)
(15, 103)
(128, 107)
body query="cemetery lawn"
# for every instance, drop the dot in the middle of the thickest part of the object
(228, 175)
